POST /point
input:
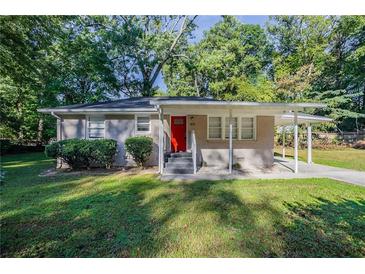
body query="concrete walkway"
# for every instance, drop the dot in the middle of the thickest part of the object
(282, 169)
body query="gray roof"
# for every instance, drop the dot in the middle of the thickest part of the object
(130, 104)
(149, 104)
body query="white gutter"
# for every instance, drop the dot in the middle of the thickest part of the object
(235, 103)
(307, 117)
(54, 115)
(88, 110)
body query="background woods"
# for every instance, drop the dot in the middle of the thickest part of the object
(58, 60)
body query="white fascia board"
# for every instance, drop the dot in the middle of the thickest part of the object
(308, 117)
(287, 119)
(97, 110)
(236, 103)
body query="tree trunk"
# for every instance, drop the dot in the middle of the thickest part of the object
(196, 85)
(184, 26)
(40, 131)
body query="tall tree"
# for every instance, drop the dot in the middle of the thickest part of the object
(231, 57)
(142, 45)
(321, 58)
(300, 51)
(24, 49)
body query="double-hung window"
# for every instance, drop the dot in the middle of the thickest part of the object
(234, 128)
(143, 124)
(96, 127)
(215, 127)
(247, 128)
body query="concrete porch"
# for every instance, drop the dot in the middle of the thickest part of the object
(282, 169)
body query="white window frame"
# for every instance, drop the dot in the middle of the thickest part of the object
(137, 132)
(222, 127)
(88, 126)
(239, 128)
(254, 128)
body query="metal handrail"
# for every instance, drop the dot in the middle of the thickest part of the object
(193, 149)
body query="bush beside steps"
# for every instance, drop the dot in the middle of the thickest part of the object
(140, 148)
(82, 153)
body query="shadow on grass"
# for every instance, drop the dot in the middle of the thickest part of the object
(140, 216)
(325, 229)
(121, 220)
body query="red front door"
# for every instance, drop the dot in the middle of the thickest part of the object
(178, 133)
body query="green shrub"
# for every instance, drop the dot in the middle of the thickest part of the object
(140, 148)
(81, 153)
(53, 150)
(104, 155)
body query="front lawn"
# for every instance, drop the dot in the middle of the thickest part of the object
(346, 158)
(118, 215)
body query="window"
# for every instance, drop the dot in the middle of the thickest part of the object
(96, 127)
(247, 128)
(215, 128)
(143, 124)
(234, 127)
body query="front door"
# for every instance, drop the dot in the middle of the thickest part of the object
(178, 133)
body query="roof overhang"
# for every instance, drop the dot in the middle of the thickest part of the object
(97, 110)
(158, 102)
(202, 107)
(303, 118)
(192, 107)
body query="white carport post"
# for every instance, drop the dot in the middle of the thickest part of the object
(284, 132)
(160, 141)
(230, 164)
(295, 141)
(309, 144)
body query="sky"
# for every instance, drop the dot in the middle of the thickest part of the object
(205, 22)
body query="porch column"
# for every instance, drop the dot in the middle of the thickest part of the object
(230, 143)
(160, 142)
(309, 144)
(283, 153)
(295, 142)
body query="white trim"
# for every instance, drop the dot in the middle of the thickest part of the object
(222, 127)
(136, 131)
(309, 144)
(159, 102)
(87, 117)
(87, 126)
(224, 131)
(98, 110)
(296, 142)
(161, 135)
(186, 130)
(254, 128)
(239, 127)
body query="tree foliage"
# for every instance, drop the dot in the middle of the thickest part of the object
(230, 57)
(58, 60)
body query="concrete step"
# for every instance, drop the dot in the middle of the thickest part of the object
(170, 170)
(181, 154)
(179, 165)
(180, 160)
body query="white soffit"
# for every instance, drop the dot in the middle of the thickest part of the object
(303, 118)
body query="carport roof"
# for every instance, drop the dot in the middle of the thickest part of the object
(303, 118)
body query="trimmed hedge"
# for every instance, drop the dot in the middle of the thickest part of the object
(81, 153)
(140, 148)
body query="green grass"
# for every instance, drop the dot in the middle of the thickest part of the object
(115, 215)
(345, 158)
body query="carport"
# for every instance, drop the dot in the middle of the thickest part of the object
(293, 119)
